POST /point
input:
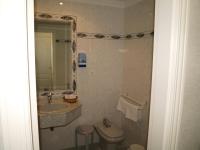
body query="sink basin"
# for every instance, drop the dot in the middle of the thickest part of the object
(52, 107)
(58, 113)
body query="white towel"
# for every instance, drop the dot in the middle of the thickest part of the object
(130, 110)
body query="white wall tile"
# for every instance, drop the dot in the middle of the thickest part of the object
(108, 71)
(137, 67)
(100, 83)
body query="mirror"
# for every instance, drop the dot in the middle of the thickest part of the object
(55, 51)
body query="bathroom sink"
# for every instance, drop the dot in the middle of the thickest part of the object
(58, 113)
(51, 107)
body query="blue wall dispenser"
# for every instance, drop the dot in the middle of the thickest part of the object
(82, 60)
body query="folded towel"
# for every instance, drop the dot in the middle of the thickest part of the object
(130, 110)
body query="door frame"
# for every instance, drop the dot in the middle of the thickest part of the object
(171, 21)
(18, 103)
(32, 73)
(167, 81)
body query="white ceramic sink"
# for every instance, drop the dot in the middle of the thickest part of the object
(51, 107)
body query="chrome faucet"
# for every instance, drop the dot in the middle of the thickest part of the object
(50, 94)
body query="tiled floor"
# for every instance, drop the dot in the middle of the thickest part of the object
(94, 147)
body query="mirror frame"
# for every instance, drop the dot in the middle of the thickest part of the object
(47, 17)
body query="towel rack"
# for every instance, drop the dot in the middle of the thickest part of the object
(132, 101)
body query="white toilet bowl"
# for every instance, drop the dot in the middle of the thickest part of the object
(136, 147)
(110, 137)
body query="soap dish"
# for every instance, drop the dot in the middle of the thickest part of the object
(71, 98)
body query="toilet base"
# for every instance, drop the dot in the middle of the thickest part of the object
(104, 145)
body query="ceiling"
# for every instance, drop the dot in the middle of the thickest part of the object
(121, 0)
(112, 3)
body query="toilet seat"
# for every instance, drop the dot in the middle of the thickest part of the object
(136, 147)
(111, 134)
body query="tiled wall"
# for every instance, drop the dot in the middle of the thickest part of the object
(189, 135)
(99, 84)
(109, 71)
(137, 67)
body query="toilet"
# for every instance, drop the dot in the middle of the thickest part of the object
(136, 147)
(110, 135)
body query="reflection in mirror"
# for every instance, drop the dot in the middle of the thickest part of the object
(54, 44)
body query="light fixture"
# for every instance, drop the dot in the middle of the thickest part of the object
(61, 3)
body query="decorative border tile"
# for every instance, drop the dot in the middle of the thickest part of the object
(130, 36)
(67, 18)
(43, 16)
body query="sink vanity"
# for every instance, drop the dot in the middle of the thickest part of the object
(57, 113)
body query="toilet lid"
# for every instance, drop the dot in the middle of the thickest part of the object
(136, 147)
(111, 132)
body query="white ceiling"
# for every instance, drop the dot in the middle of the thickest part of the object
(112, 3)
(120, 0)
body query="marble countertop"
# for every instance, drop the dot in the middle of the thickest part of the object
(58, 117)
(69, 107)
